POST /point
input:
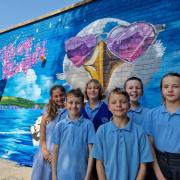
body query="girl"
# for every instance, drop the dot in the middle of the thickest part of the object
(43, 158)
(134, 87)
(95, 109)
(164, 130)
(73, 139)
(121, 149)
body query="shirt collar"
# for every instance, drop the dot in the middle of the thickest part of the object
(77, 121)
(98, 105)
(163, 109)
(114, 128)
(61, 110)
(137, 109)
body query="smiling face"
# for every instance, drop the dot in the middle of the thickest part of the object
(93, 91)
(171, 89)
(118, 105)
(74, 105)
(134, 89)
(58, 96)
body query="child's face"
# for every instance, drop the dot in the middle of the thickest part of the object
(133, 88)
(58, 97)
(118, 105)
(171, 89)
(93, 91)
(74, 106)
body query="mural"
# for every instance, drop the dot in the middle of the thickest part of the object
(109, 43)
(11, 54)
(108, 46)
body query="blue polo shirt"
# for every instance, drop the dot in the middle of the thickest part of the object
(138, 115)
(63, 113)
(73, 137)
(164, 127)
(92, 112)
(121, 150)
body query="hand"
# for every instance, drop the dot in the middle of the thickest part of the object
(46, 155)
(50, 159)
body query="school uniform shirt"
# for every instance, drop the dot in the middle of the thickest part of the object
(73, 137)
(42, 169)
(121, 150)
(63, 113)
(139, 115)
(164, 127)
(99, 115)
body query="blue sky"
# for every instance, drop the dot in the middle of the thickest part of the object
(13, 12)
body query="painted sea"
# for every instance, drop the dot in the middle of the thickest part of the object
(15, 136)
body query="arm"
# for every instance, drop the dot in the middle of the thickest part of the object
(45, 152)
(142, 172)
(54, 161)
(90, 164)
(100, 170)
(157, 170)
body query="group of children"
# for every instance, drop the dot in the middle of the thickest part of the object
(78, 140)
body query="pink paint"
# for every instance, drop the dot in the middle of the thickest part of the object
(129, 43)
(9, 53)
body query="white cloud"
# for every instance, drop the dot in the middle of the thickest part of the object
(30, 76)
(26, 87)
(36, 91)
(46, 82)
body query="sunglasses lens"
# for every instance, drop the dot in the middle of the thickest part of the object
(128, 43)
(79, 48)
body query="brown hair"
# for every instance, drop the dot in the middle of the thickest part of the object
(76, 93)
(136, 79)
(169, 74)
(119, 91)
(51, 107)
(101, 91)
(172, 74)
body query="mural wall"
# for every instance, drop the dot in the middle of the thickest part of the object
(107, 40)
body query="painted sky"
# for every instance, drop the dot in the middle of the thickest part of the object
(59, 28)
(13, 12)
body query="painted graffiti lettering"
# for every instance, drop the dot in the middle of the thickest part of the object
(21, 57)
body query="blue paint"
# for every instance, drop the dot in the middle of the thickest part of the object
(58, 28)
(15, 137)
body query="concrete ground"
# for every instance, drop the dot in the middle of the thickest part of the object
(11, 171)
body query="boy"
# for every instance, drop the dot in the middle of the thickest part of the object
(73, 139)
(121, 149)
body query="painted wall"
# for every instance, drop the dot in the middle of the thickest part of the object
(109, 40)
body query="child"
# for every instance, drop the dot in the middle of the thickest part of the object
(134, 87)
(43, 158)
(164, 129)
(121, 149)
(95, 109)
(139, 114)
(35, 129)
(73, 139)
